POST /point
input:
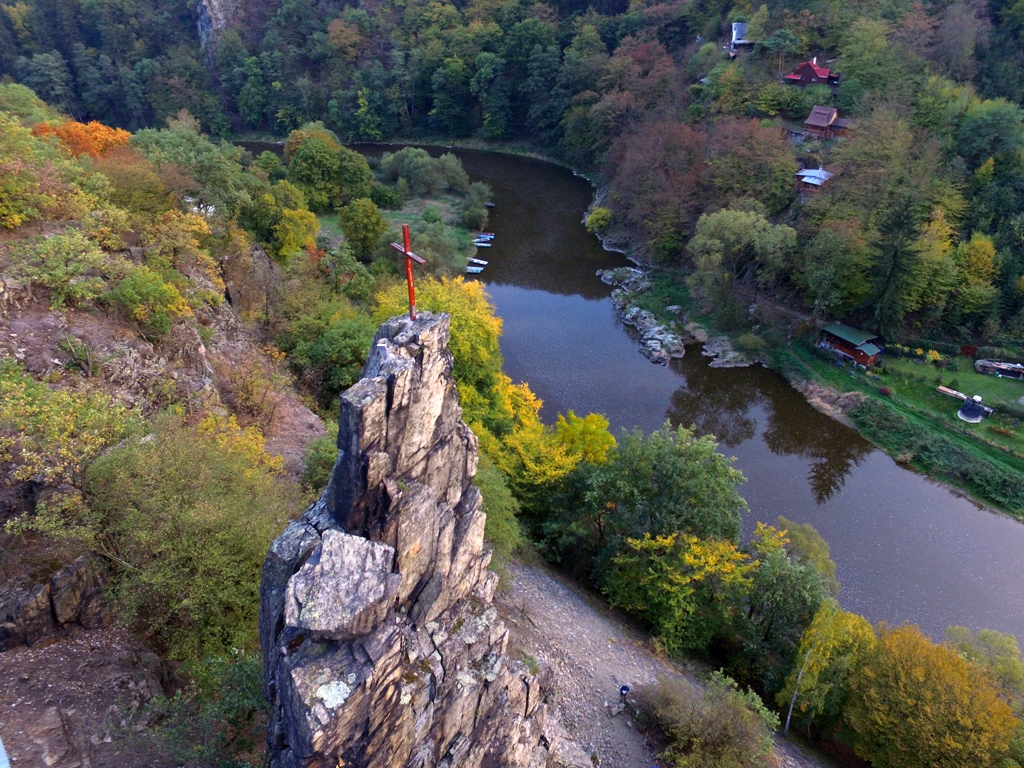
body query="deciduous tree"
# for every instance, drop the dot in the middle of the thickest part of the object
(917, 704)
(362, 224)
(832, 650)
(684, 588)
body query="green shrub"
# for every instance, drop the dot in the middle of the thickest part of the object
(69, 266)
(939, 346)
(751, 343)
(188, 513)
(321, 454)
(599, 220)
(721, 727)
(218, 718)
(389, 198)
(502, 510)
(50, 436)
(474, 214)
(1000, 353)
(153, 303)
(333, 361)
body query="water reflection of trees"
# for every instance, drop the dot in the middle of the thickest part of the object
(796, 429)
(719, 402)
(716, 403)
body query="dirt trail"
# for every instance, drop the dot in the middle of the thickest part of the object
(592, 654)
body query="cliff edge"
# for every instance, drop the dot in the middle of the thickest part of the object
(380, 643)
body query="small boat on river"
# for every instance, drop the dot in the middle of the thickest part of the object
(482, 243)
(478, 262)
(484, 236)
(471, 270)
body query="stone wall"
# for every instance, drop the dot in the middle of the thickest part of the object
(381, 647)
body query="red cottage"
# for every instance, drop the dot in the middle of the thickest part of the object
(850, 343)
(809, 73)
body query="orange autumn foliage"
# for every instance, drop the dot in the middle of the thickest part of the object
(91, 138)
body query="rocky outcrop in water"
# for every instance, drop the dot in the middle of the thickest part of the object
(658, 343)
(380, 644)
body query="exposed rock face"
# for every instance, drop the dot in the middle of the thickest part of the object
(657, 343)
(212, 18)
(72, 596)
(380, 644)
(251, 280)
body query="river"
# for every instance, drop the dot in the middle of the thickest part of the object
(906, 549)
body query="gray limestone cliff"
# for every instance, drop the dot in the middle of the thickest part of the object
(380, 644)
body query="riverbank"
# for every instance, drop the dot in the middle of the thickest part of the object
(982, 461)
(895, 405)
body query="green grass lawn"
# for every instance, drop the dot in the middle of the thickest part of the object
(963, 378)
(329, 226)
(917, 383)
(914, 389)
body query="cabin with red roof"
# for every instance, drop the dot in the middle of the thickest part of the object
(810, 73)
(825, 123)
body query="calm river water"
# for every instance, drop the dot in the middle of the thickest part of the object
(906, 548)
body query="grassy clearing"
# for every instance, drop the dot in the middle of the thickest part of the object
(666, 290)
(329, 226)
(962, 376)
(910, 420)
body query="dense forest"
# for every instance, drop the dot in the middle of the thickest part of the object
(115, 202)
(918, 233)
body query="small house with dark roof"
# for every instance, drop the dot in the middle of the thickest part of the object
(850, 343)
(825, 123)
(809, 182)
(739, 38)
(810, 73)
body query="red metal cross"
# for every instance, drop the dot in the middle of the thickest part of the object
(410, 257)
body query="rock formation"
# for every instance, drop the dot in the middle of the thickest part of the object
(71, 597)
(658, 344)
(381, 647)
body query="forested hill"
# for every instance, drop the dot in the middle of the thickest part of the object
(917, 234)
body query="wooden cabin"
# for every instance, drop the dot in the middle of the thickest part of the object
(809, 182)
(810, 73)
(739, 41)
(850, 343)
(825, 123)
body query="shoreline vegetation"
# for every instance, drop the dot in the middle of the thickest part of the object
(979, 467)
(988, 471)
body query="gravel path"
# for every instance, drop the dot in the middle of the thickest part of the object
(592, 654)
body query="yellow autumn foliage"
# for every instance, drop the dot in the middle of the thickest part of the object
(681, 586)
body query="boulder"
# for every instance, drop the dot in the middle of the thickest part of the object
(721, 349)
(344, 589)
(76, 591)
